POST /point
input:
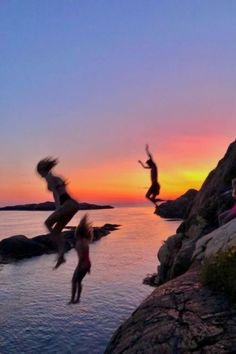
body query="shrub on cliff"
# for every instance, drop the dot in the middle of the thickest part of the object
(218, 272)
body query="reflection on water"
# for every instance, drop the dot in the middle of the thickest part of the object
(34, 315)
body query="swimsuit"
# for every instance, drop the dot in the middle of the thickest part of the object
(154, 189)
(80, 272)
(64, 197)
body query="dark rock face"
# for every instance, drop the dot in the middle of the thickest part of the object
(19, 247)
(180, 317)
(202, 218)
(51, 206)
(178, 208)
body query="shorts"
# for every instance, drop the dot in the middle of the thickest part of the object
(154, 189)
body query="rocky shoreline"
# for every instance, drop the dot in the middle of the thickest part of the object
(18, 247)
(182, 315)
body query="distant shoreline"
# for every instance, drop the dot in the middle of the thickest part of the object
(50, 206)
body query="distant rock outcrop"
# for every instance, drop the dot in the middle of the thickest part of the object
(175, 255)
(179, 208)
(19, 247)
(51, 206)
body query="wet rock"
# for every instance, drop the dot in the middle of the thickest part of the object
(18, 247)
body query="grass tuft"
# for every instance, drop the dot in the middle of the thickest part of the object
(218, 272)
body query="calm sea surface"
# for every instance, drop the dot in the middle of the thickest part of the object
(34, 315)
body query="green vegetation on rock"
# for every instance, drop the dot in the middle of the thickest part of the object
(218, 272)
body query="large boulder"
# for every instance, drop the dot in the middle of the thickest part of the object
(213, 198)
(216, 241)
(19, 247)
(177, 209)
(181, 316)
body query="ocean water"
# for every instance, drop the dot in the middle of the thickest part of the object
(34, 314)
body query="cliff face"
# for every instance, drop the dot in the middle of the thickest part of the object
(179, 317)
(175, 255)
(182, 315)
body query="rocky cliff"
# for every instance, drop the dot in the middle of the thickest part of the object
(181, 315)
(176, 253)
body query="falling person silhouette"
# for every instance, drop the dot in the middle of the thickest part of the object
(83, 236)
(66, 207)
(154, 189)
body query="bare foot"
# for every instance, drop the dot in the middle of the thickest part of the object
(60, 260)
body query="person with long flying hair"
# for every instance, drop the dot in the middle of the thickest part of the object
(66, 206)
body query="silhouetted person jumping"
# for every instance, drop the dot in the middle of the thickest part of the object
(83, 236)
(154, 190)
(66, 207)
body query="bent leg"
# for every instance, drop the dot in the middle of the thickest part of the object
(56, 223)
(149, 195)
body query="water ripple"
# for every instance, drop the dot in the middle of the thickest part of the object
(34, 315)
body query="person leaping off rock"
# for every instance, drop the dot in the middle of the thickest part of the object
(66, 207)
(154, 190)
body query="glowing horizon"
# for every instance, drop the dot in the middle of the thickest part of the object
(129, 186)
(92, 84)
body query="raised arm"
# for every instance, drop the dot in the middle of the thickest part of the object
(148, 151)
(142, 164)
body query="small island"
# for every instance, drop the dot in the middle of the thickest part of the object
(49, 206)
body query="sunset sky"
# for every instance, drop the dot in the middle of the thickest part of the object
(91, 82)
